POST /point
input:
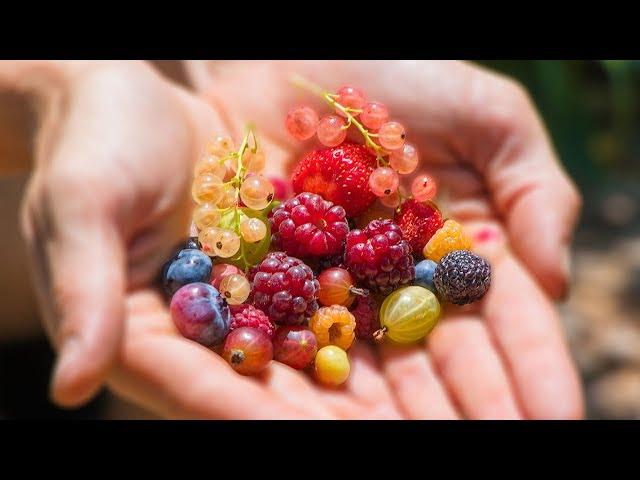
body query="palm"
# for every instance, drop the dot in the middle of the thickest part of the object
(502, 359)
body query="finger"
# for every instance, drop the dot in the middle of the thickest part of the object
(472, 370)
(526, 328)
(177, 378)
(87, 279)
(416, 385)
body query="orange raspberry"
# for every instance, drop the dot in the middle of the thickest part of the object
(447, 239)
(333, 325)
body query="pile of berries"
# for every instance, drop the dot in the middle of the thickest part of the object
(295, 281)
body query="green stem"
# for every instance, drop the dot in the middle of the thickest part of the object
(330, 98)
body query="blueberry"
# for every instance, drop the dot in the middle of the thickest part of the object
(189, 266)
(200, 313)
(193, 242)
(424, 275)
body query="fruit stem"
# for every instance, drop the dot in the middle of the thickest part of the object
(361, 292)
(378, 335)
(237, 357)
(330, 98)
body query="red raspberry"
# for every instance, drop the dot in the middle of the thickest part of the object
(379, 257)
(308, 225)
(340, 174)
(418, 221)
(367, 321)
(250, 316)
(284, 288)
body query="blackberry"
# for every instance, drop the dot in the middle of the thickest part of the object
(462, 277)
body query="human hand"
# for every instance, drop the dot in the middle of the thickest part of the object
(503, 358)
(107, 202)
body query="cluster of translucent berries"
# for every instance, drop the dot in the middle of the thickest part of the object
(296, 282)
(384, 137)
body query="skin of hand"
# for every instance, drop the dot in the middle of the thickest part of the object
(477, 133)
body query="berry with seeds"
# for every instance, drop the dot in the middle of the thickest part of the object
(339, 174)
(220, 271)
(447, 239)
(408, 314)
(391, 136)
(250, 316)
(189, 266)
(331, 130)
(337, 287)
(200, 314)
(384, 181)
(424, 188)
(378, 257)
(462, 277)
(308, 225)
(256, 192)
(350, 97)
(367, 319)
(404, 160)
(235, 288)
(332, 366)
(301, 122)
(248, 350)
(419, 222)
(333, 325)
(295, 346)
(374, 115)
(284, 288)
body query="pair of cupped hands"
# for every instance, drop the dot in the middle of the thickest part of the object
(109, 200)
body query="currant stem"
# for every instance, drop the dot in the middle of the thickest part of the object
(330, 98)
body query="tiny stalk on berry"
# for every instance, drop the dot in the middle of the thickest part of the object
(331, 99)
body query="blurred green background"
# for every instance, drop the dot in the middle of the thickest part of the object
(592, 112)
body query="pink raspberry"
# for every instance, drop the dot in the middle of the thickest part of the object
(250, 316)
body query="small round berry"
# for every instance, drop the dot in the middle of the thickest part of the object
(404, 160)
(220, 146)
(207, 238)
(207, 188)
(331, 130)
(391, 201)
(374, 115)
(337, 287)
(253, 162)
(248, 350)
(256, 192)
(350, 97)
(391, 136)
(189, 266)
(332, 366)
(228, 198)
(226, 243)
(235, 288)
(408, 314)
(301, 122)
(384, 181)
(220, 271)
(209, 164)
(253, 230)
(206, 215)
(200, 314)
(424, 274)
(295, 346)
(333, 325)
(424, 188)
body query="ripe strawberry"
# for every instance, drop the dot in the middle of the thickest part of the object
(339, 174)
(418, 221)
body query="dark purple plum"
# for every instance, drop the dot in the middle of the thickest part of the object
(200, 314)
(188, 266)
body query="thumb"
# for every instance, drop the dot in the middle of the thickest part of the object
(80, 261)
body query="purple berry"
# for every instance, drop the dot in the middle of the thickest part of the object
(200, 313)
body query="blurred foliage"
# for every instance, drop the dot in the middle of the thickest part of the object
(592, 111)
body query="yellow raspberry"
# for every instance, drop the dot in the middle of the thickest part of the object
(333, 325)
(447, 239)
